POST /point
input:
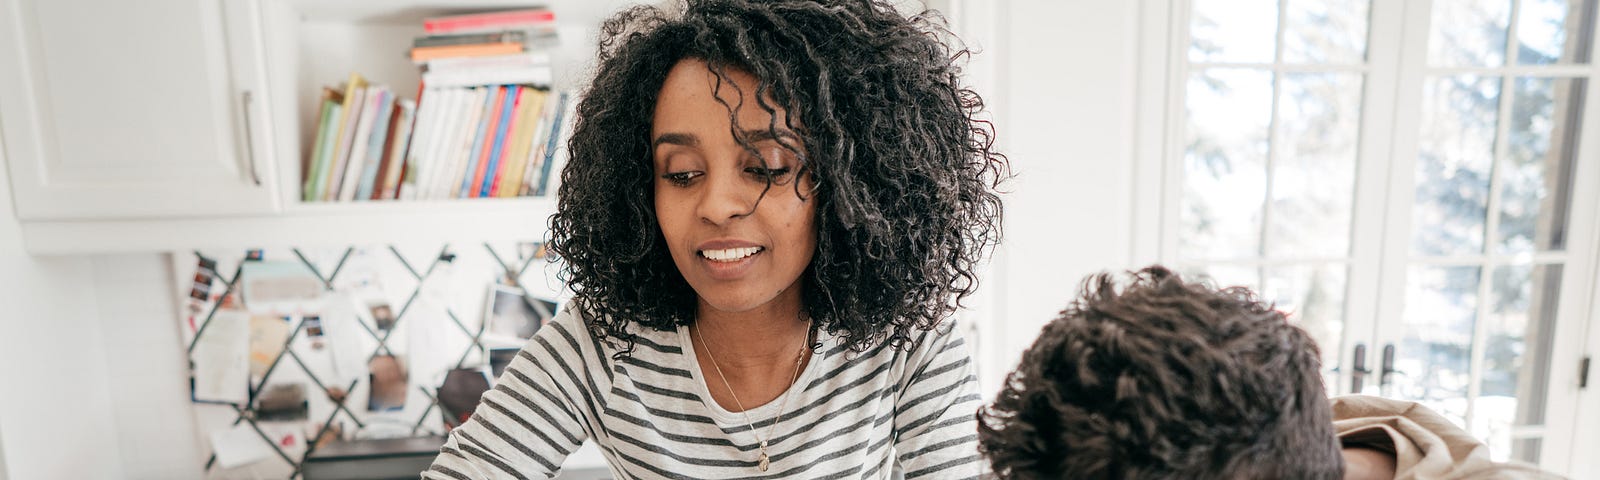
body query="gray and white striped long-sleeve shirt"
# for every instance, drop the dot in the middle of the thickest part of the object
(852, 415)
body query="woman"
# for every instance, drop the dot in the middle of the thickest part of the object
(771, 211)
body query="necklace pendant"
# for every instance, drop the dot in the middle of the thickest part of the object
(764, 463)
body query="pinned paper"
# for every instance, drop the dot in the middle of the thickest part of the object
(239, 445)
(222, 359)
(279, 287)
(268, 334)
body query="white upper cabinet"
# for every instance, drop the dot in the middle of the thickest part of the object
(115, 109)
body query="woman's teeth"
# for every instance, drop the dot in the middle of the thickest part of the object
(730, 254)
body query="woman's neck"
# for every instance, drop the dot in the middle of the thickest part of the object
(757, 339)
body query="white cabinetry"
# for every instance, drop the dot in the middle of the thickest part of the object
(127, 110)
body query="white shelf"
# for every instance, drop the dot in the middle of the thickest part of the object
(332, 224)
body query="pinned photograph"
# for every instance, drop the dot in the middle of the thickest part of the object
(204, 272)
(282, 403)
(500, 358)
(459, 396)
(382, 315)
(511, 314)
(313, 327)
(389, 387)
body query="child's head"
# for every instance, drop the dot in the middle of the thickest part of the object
(733, 154)
(1164, 379)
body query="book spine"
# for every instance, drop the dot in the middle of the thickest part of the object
(405, 127)
(490, 173)
(530, 131)
(353, 106)
(541, 76)
(505, 167)
(550, 148)
(373, 189)
(362, 139)
(424, 54)
(382, 126)
(458, 23)
(471, 136)
(450, 119)
(485, 143)
(536, 150)
(319, 147)
(508, 36)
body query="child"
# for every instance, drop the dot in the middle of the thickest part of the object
(1172, 379)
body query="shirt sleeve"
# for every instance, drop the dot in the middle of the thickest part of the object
(935, 423)
(531, 420)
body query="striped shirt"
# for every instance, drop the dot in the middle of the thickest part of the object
(852, 415)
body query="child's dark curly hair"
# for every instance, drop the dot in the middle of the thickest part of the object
(903, 169)
(1165, 379)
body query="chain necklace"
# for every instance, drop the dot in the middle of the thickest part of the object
(762, 462)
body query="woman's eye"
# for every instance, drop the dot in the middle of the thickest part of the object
(767, 173)
(681, 178)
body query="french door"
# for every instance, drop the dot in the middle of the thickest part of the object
(1415, 181)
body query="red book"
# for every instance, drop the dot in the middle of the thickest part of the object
(488, 140)
(487, 20)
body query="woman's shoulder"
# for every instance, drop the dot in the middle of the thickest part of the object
(575, 324)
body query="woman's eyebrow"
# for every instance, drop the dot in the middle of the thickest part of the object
(685, 139)
(754, 136)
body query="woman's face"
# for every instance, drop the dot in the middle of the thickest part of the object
(738, 249)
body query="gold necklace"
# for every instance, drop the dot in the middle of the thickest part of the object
(762, 462)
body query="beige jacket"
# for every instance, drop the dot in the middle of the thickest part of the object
(1426, 446)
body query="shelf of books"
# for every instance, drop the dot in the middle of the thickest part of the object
(420, 119)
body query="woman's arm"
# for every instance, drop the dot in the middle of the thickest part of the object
(936, 434)
(528, 424)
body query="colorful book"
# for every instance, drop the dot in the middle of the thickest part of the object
(452, 115)
(424, 54)
(503, 161)
(470, 136)
(354, 97)
(372, 179)
(405, 127)
(327, 129)
(355, 166)
(535, 158)
(477, 22)
(555, 143)
(480, 142)
(491, 171)
(505, 36)
(522, 140)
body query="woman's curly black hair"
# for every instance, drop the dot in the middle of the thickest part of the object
(903, 169)
(1164, 380)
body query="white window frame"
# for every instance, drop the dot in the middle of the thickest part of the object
(1380, 251)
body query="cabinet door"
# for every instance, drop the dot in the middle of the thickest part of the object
(112, 109)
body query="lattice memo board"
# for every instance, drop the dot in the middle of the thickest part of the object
(316, 319)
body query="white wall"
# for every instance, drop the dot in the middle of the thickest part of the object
(55, 393)
(1061, 86)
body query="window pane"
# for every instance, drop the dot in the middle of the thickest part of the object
(1313, 178)
(1224, 276)
(1553, 31)
(1453, 164)
(1536, 183)
(1469, 32)
(1326, 31)
(1314, 297)
(1516, 370)
(1435, 355)
(1233, 30)
(1225, 163)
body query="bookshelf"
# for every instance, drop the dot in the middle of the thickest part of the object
(287, 51)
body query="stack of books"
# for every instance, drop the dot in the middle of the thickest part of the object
(485, 123)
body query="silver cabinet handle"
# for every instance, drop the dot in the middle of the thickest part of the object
(249, 139)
